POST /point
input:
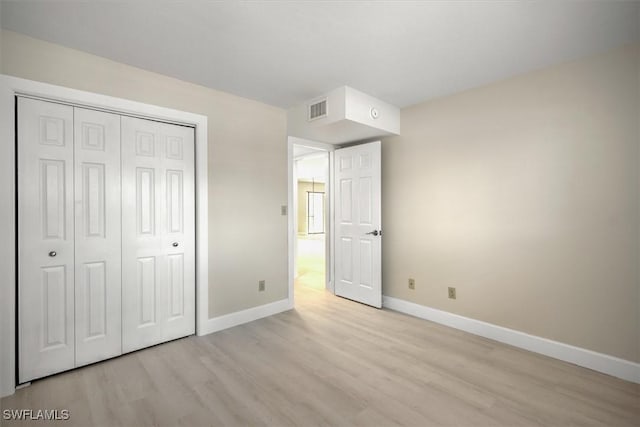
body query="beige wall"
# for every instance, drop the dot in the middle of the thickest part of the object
(247, 163)
(1, 33)
(303, 187)
(525, 196)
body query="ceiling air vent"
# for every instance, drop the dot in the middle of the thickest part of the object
(318, 110)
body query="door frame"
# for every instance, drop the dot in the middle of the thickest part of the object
(293, 217)
(9, 88)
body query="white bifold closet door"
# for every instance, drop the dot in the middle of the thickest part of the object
(69, 237)
(106, 235)
(158, 232)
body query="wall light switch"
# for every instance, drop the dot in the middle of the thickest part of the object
(283, 210)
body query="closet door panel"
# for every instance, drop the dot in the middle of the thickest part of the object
(46, 239)
(179, 219)
(98, 236)
(158, 229)
(142, 279)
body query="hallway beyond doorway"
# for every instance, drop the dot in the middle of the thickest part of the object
(311, 261)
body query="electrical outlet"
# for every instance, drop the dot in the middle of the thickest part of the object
(262, 284)
(412, 283)
(452, 293)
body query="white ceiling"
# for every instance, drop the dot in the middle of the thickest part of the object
(285, 52)
(301, 150)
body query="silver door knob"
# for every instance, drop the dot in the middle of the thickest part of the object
(374, 232)
(174, 244)
(53, 253)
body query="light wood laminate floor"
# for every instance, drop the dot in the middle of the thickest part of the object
(335, 362)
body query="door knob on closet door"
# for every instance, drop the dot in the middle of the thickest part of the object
(174, 244)
(53, 253)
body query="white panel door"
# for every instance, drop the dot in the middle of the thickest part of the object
(46, 239)
(158, 232)
(97, 236)
(358, 241)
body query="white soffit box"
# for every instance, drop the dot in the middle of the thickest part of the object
(343, 115)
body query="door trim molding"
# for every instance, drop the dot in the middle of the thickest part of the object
(9, 88)
(600, 362)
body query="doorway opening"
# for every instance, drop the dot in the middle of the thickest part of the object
(335, 221)
(310, 218)
(312, 181)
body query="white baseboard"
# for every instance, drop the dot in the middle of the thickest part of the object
(600, 362)
(245, 316)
